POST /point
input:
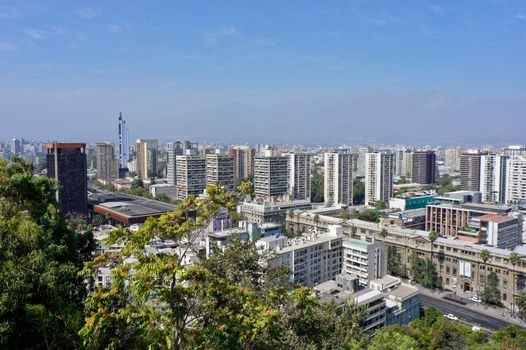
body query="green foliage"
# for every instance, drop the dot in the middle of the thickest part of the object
(446, 185)
(424, 272)
(390, 339)
(358, 191)
(41, 292)
(371, 215)
(240, 263)
(394, 263)
(521, 304)
(491, 293)
(317, 188)
(380, 205)
(245, 189)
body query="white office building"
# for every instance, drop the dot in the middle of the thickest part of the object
(379, 171)
(338, 178)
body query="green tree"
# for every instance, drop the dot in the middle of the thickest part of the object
(394, 263)
(41, 292)
(384, 233)
(316, 219)
(380, 205)
(521, 305)
(484, 256)
(491, 292)
(317, 188)
(245, 189)
(392, 340)
(137, 184)
(358, 191)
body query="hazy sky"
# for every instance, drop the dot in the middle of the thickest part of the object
(265, 71)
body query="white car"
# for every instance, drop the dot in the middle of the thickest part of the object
(475, 299)
(452, 317)
(475, 329)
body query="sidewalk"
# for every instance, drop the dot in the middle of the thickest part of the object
(493, 311)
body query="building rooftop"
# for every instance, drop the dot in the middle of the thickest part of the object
(357, 242)
(403, 291)
(495, 218)
(126, 208)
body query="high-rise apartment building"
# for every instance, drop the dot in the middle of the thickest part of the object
(470, 170)
(270, 177)
(299, 175)
(146, 151)
(515, 150)
(338, 178)
(191, 176)
(516, 179)
(220, 170)
(493, 177)
(174, 149)
(66, 163)
(452, 159)
(423, 167)
(379, 170)
(124, 148)
(16, 147)
(243, 161)
(107, 164)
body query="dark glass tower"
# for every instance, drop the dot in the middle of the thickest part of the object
(66, 163)
(123, 147)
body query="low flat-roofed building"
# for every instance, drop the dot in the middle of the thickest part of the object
(412, 219)
(163, 189)
(402, 300)
(127, 209)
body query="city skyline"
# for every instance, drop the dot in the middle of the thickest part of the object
(360, 72)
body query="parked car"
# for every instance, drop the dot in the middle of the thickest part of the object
(475, 329)
(452, 317)
(475, 299)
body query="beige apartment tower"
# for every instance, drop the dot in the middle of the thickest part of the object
(107, 162)
(146, 158)
(338, 178)
(379, 172)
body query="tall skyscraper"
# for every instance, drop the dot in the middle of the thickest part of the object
(423, 167)
(124, 155)
(299, 175)
(220, 170)
(191, 176)
(66, 163)
(146, 151)
(270, 177)
(470, 170)
(338, 178)
(107, 164)
(16, 147)
(174, 149)
(243, 161)
(452, 159)
(493, 177)
(516, 179)
(379, 170)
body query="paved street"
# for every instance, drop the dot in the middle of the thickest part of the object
(464, 312)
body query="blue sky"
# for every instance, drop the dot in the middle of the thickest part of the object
(65, 64)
